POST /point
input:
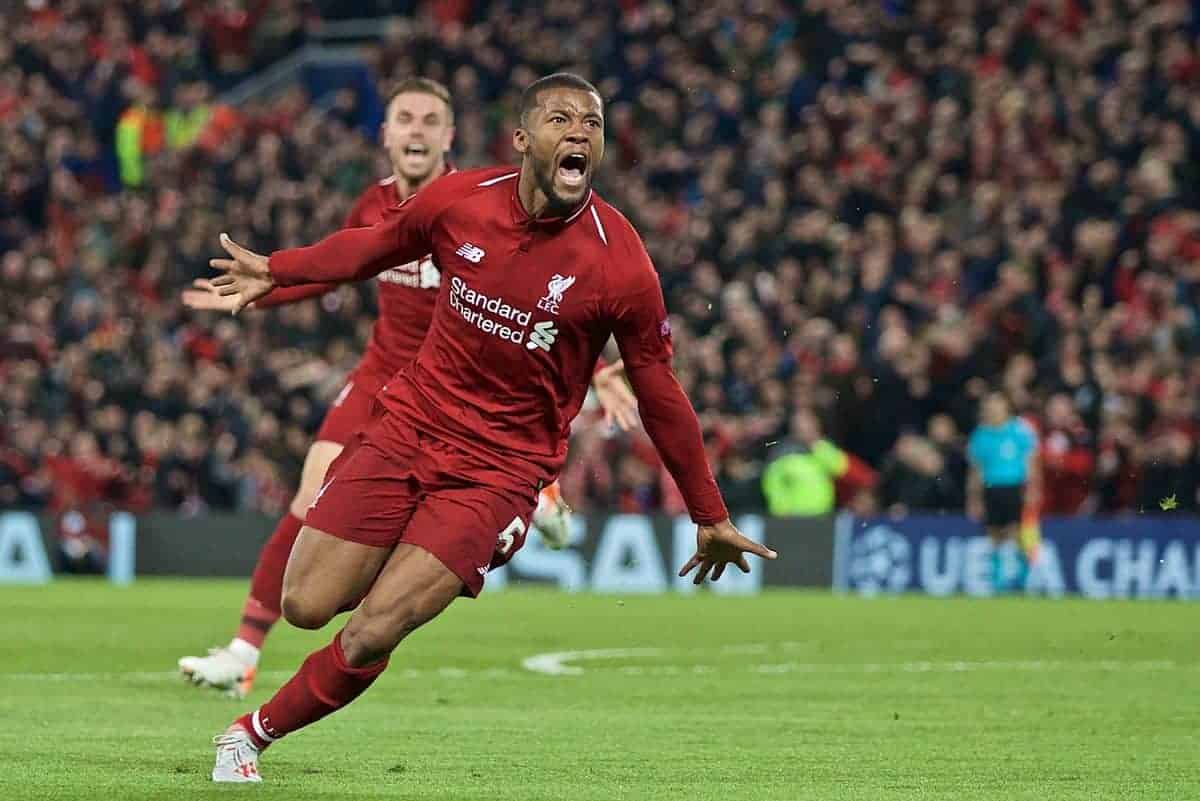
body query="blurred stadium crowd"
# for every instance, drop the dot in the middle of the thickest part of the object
(864, 215)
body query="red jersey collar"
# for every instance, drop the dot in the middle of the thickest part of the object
(522, 217)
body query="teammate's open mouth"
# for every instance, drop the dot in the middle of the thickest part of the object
(416, 150)
(572, 169)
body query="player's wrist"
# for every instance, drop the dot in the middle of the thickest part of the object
(279, 268)
(710, 514)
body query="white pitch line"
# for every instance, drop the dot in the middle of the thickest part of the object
(555, 663)
(962, 666)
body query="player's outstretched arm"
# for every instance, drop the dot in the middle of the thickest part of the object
(616, 398)
(637, 314)
(351, 254)
(203, 295)
(355, 254)
(672, 425)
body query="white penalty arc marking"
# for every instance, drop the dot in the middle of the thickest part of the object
(555, 663)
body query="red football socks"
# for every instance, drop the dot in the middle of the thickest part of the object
(324, 684)
(262, 607)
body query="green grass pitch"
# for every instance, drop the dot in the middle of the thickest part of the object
(771, 698)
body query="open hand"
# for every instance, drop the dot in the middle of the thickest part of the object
(717, 546)
(615, 396)
(247, 275)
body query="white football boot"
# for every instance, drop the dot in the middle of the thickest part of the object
(552, 518)
(237, 757)
(221, 669)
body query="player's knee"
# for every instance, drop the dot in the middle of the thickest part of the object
(304, 613)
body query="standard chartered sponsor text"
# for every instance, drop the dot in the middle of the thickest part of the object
(481, 311)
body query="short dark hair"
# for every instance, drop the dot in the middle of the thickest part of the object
(425, 86)
(559, 80)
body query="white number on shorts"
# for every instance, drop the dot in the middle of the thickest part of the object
(506, 539)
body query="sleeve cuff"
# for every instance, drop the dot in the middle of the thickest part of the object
(282, 265)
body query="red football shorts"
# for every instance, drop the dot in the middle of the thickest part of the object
(394, 484)
(353, 407)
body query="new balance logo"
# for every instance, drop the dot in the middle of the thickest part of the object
(542, 336)
(472, 253)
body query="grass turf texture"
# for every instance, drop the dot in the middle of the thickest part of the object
(780, 696)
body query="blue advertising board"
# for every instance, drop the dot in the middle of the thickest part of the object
(26, 547)
(1134, 557)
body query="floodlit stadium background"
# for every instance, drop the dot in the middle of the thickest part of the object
(864, 216)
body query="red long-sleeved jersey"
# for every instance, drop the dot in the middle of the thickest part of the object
(524, 309)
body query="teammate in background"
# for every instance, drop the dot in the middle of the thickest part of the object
(1002, 452)
(417, 133)
(539, 272)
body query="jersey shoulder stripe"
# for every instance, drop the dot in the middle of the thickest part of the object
(616, 227)
(599, 225)
(498, 179)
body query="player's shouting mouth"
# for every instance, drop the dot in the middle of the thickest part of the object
(572, 170)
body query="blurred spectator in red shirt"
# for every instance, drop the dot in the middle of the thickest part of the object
(1068, 458)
